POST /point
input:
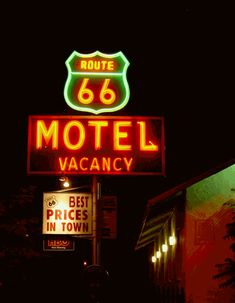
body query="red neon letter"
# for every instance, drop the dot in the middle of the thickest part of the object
(143, 145)
(48, 134)
(98, 125)
(81, 136)
(118, 134)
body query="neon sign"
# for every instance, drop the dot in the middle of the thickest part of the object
(96, 82)
(115, 145)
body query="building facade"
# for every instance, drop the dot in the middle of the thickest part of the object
(183, 233)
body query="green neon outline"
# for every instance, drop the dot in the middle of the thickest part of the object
(70, 73)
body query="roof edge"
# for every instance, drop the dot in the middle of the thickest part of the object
(182, 186)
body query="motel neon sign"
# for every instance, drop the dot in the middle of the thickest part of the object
(97, 145)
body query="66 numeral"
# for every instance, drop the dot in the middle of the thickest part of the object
(86, 95)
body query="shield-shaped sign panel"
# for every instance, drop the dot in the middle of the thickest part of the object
(97, 82)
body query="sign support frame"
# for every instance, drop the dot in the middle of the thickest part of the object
(96, 241)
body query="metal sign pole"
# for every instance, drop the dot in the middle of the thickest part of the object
(96, 245)
(94, 219)
(98, 227)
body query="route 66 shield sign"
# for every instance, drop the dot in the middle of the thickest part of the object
(96, 82)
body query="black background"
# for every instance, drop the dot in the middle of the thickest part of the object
(181, 67)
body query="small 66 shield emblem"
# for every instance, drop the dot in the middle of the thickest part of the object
(96, 82)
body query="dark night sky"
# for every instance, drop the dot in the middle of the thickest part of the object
(180, 68)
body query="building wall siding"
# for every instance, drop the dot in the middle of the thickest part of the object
(208, 210)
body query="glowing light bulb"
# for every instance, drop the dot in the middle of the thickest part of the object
(164, 247)
(172, 240)
(154, 259)
(158, 254)
(66, 183)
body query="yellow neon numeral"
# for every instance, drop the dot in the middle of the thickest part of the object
(85, 91)
(107, 91)
(86, 95)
